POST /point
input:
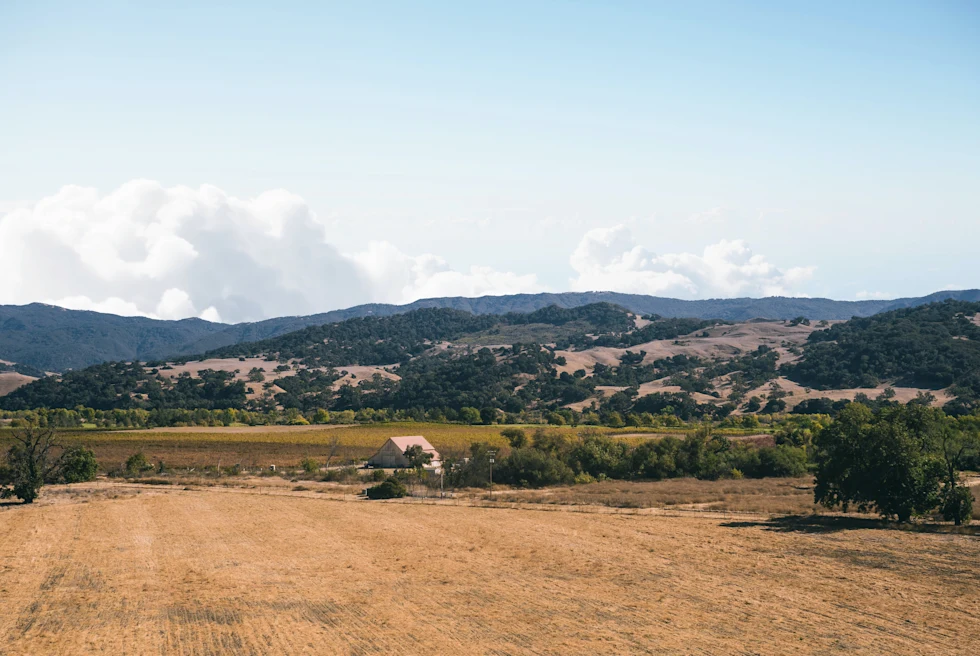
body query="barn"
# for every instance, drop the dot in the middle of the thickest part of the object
(392, 453)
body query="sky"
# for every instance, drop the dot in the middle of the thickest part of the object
(238, 161)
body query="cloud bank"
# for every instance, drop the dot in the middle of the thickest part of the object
(610, 259)
(145, 249)
(178, 252)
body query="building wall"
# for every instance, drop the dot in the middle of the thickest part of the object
(389, 456)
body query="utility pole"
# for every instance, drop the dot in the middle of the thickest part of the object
(491, 454)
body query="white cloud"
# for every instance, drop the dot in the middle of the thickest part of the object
(610, 259)
(111, 305)
(404, 278)
(149, 250)
(175, 304)
(866, 295)
(176, 252)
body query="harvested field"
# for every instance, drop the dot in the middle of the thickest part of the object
(776, 496)
(234, 572)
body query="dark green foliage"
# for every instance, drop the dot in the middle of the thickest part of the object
(516, 436)
(632, 358)
(602, 317)
(23, 369)
(474, 471)
(78, 465)
(556, 458)
(781, 461)
(660, 328)
(932, 346)
(55, 339)
(365, 341)
(957, 504)
(530, 467)
(417, 457)
(888, 461)
(678, 404)
(137, 464)
(820, 406)
(35, 458)
(750, 370)
(390, 488)
(124, 385)
(600, 456)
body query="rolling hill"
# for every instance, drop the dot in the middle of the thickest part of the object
(598, 360)
(55, 339)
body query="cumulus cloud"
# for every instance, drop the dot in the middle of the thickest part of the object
(145, 249)
(174, 252)
(610, 258)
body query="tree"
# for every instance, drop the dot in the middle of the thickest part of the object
(36, 458)
(469, 415)
(888, 461)
(417, 458)
(516, 436)
(956, 445)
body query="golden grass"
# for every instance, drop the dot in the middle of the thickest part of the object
(245, 571)
(775, 496)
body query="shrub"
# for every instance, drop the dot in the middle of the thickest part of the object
(309, 465)
(782, 460)
(341, 475)
(534, 468)
(516, 436)
(390, 488)
(78, 465)
(137, 463)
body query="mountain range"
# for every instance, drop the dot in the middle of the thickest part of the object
(56, 339)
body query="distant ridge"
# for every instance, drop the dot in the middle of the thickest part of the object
(55, 339)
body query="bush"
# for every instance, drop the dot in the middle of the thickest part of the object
(516, 436)
(78, 465)
(782, 460)
(534, 468)
(341, 475)
(137, 463)
(309, 465)
(391, 488)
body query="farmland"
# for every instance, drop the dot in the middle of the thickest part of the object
(285, 446)
(112, 569)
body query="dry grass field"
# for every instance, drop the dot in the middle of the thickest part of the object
(109, 569)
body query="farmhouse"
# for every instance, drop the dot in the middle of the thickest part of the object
(392, 453)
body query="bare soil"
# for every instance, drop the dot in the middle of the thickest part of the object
(113, 570)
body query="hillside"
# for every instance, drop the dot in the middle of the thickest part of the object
(595, 363)
(932, 346)
(55, 339)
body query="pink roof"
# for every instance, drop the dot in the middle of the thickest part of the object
(406, 441)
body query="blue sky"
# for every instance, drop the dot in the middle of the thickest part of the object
(551, 145)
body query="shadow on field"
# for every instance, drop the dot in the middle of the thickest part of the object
(833, 524)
